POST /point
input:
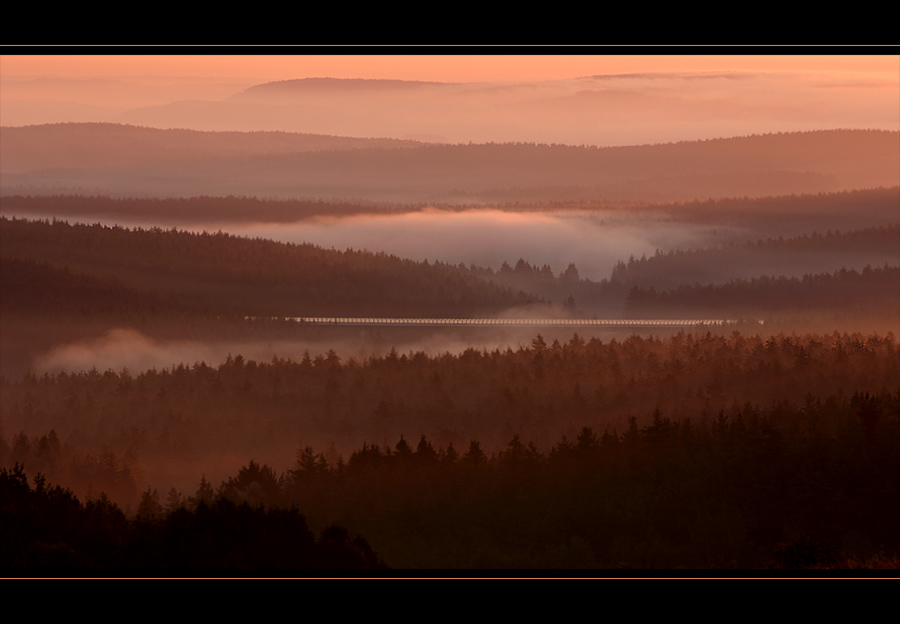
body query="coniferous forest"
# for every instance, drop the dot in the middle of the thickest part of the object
(163, 410)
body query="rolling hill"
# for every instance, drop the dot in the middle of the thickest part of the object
(126, 161)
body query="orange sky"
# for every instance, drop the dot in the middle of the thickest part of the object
(453, 67)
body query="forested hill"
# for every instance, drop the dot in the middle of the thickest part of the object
(66, 145)
(222, 274)
(191, 210)
(870, 295)
(749, 218)
(131, 161)
(813, 253)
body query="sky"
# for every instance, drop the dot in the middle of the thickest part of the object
(459, 66)
(638, 98)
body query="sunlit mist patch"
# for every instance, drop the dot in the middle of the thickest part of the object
(120, 349)
(491, 237)
(126, 349)
(593, 241)
(123, 349)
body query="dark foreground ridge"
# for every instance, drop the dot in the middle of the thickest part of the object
(47, 529)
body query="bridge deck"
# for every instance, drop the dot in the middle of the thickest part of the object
(444, 322)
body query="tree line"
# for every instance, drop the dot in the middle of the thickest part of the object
(194, 415)
(45, 529)
(871, 292)
(229, 275)
(809, 485)
(792, 257)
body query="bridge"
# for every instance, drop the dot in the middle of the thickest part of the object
(505, 322)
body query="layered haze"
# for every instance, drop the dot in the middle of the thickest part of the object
(601, 109)
(166, 222)
(586, 169)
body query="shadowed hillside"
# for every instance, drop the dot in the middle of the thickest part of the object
(229, 275)
(64, 282)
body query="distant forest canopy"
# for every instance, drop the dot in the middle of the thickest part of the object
(872, 292)
(54, 268)
(801, 213)
(785, 486)
(769, 216)
(201, 418)
(817, 252)
(67, 145)
(57, 268)
(198, 209)
(803, 273)
(130, 164)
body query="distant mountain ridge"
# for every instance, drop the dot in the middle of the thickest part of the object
(599, 110)
(128, 161)
(301, 85)
(67, 145)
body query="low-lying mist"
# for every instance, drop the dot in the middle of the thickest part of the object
(489, 238)
(594, 242)
(129, 349)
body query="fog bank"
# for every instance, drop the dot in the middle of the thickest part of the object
(128, 349)
(594, 242)
(488, 238)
